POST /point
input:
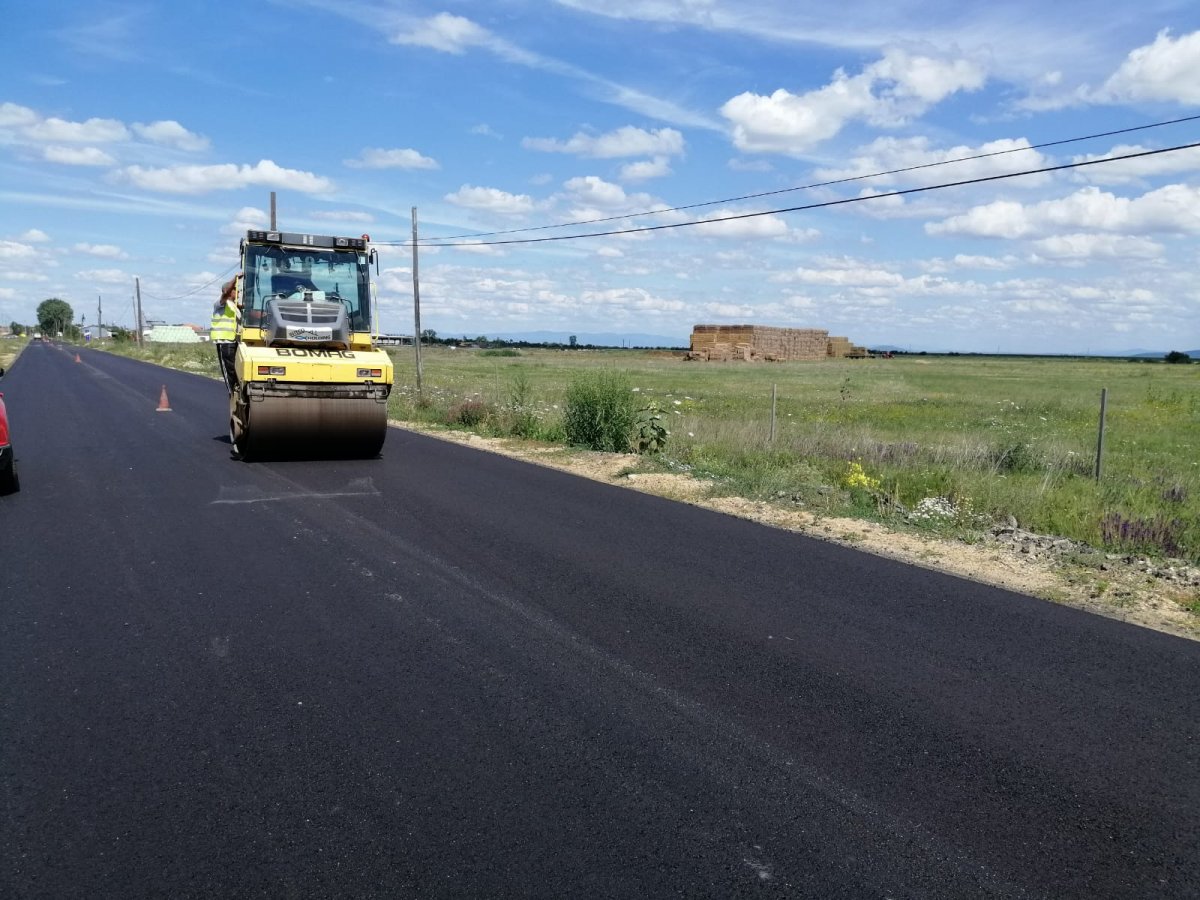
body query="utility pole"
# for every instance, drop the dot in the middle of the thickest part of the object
(137, 288)
(99, 318)
(416, 303)
(272, 210)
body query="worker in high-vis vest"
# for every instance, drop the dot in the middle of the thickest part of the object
(224, 323)
(223, 328)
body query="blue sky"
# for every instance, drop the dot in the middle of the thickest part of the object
(144, 138)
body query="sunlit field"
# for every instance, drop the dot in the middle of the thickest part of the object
(949, 443)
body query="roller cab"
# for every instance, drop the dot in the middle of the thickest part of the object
(304, 377)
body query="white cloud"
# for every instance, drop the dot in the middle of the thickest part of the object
(449, 33)
(481, 250)
(887, 93)
(841, 275)
(252, 217)
(201, 179)
(1127, 170)
(342, 215)
(971, 261)
(750, 165)
(93, 131)
(13, 115)
(729, 310)
(1082, 247)
(77, 156)
(888, 154)
(635, 299)
(595, 191)
(999, 219)
(104, 276)
(12, 251)
(1168, 69)
(1173, 209)
(609, 252)
(491, 200)
(646, 169)
(445, 32)
(107, 251)
(35, 236)
(626, 141)
(766, 226)
(591, 197)
(170, 133)
(378, 158)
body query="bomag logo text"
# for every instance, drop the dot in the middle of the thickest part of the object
(323, 354)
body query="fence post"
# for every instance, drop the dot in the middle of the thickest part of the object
(1100, 438)
(774, 392)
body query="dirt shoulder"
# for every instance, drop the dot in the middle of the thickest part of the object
(1149, 593)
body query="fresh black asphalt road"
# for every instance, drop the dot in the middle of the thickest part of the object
(444, 673)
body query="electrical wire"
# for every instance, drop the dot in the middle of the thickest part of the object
(194, 291)
(827, 203)
(804, 187)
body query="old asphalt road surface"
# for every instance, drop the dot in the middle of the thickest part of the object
(449, 674)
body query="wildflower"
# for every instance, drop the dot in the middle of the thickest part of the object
(855, 477)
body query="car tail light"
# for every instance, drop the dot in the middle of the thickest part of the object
(370, 373)
(272, 370)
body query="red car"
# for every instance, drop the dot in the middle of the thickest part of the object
(8, 465)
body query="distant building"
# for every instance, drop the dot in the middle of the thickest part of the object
(97, 333)
(395, 340)
(173, 334)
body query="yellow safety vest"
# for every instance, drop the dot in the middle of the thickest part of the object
(224, 324)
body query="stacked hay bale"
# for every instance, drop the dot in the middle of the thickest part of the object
(841, 348)
(720, 343)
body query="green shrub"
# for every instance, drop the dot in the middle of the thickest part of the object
(1018, 457)
(599, 411)
(506, 352)
(521, 412)
(469, 413)
(651, 436)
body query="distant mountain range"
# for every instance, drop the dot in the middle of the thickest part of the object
(1121, 354)
(638, 339)
(1155, 354)
(595, 339)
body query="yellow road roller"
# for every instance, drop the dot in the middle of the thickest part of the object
(305, 378)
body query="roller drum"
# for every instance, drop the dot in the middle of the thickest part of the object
(291, 427)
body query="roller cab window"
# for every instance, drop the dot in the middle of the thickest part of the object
(325, 276)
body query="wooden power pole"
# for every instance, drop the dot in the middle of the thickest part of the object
(137, 289)
(416, 303)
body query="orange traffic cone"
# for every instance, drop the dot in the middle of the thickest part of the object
(163, 405)
(77, 359)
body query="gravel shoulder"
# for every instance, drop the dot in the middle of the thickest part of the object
(1154, 594)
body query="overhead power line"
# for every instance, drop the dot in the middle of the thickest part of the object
(821, 205)
(803, 187)
(193, 291)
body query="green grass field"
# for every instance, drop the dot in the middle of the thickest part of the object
(986, 437)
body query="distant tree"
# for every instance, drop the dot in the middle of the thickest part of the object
(573, 340)
(16, 328)
(429, 336)
(1176, 356)
(121, 335)
(55, 315)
